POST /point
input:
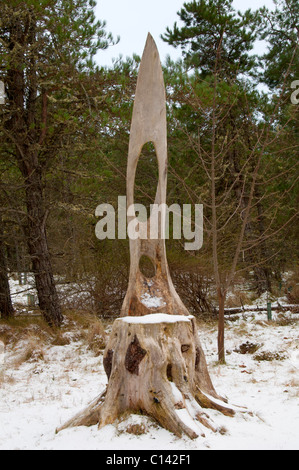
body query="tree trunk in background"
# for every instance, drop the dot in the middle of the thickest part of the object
(262, 274)
(221, 352)
(6, 308)
(39, 251)
(22, 93)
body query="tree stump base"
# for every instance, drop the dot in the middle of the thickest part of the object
(155, 366)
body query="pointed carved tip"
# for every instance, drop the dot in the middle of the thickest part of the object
(150, 43)
(150, 57)
(150, 61)
(149, 112)
(150, 37)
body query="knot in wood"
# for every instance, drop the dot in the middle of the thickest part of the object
(107, 362)
(135, 354)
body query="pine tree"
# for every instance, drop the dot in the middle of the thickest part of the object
(46, 49)
(208, 26)
(280, 28)
(6, 307)
(221, 114)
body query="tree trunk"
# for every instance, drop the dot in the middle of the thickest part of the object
(6, 307)
(155, 365)
(221, 351)
(39, 251)
(262, 273)
(22, 91)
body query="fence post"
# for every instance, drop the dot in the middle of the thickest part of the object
(31, 300)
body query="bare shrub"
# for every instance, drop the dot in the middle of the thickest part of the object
(292, 289)
(247, 348)
(270, 356)
(101, 291)
(194, 286)
(238, 298)
(293, 295)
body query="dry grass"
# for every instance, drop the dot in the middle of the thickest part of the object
(285, 320)
(222, 430)
(139, 427)
(77, 319)
(17, 329)
(6, 379)
(241, 329)
(26, 338)
(136, 429)
(86, 326)
(32, 351)
(96, 336)
(60, 339)
(293, 295)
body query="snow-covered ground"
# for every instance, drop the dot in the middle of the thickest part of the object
(24, 295)
(39, 394)
(20, 291)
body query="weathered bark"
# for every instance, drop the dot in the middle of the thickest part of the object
(155, 365)
(6, 307)
(221, 350)
(39, 252)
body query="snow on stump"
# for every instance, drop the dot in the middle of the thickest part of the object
(155, 366)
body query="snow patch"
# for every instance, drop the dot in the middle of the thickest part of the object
(157, 318)
(152, 301)
(178, 397)
(185, 417)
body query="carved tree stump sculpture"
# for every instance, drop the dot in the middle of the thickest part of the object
(153, 360)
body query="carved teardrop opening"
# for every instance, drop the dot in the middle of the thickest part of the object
(147, 267)
(146, 178)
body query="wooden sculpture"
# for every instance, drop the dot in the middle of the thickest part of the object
(153, 360)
